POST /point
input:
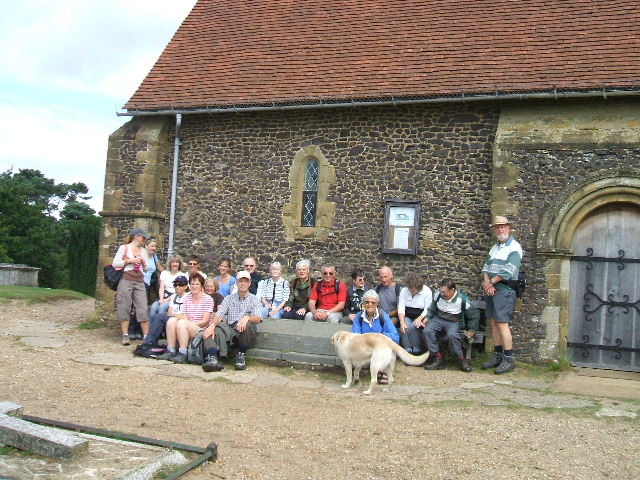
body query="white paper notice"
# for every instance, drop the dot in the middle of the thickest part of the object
(401, 216)
(401, 238)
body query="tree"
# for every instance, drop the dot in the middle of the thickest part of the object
(82, 252)
(29, 231)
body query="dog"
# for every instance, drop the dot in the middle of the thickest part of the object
(379, 351)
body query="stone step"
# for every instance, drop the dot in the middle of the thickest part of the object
(40, 439)
(297, 341)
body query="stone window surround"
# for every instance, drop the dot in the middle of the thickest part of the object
(555, 236)
(325, 210)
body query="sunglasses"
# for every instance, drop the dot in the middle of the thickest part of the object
(193, 263)
(180, 284)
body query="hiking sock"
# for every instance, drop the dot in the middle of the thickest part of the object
(497, 348)
(171, 349)
(508, 353)
(183, 351)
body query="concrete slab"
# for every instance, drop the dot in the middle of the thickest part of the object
(104, 458)
(572, 382)
(45, 342)
(40, 439)
(11, 409)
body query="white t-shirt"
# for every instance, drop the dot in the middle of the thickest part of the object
(168, 279)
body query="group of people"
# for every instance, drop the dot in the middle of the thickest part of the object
(228, 309)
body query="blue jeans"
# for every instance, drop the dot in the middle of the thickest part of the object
(157, 307)
(156, 328)
(265, 312)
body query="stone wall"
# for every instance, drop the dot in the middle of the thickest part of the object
(17, 274)
(235, 182)
(544, 151)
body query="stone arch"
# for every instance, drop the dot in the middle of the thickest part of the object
(555, 235)
(325, 210)
(579, 200)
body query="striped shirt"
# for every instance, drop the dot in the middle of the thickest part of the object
(195, 311)
(274, 292)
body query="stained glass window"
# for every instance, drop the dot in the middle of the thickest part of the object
(310, 193)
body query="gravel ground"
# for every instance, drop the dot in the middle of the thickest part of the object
(291, 429)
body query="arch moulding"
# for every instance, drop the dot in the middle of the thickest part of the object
(555, 235)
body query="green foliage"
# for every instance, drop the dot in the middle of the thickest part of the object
(38, 295)
(83, 254)
(30, 232)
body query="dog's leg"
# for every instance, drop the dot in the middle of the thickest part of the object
(390, 368)
(374, 368)
(348, 370)
(356, 373)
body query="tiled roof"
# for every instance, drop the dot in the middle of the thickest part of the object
(251, 52)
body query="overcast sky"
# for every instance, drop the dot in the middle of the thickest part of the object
(66, 67)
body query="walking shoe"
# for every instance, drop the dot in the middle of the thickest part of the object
(494, 362)
(166, 355)
(240, 361)
(212, 364)
(180, 358)
(464, 365)
(437, 365)
(125, 340)
(506, 365)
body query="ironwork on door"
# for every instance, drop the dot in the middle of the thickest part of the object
(604, 303)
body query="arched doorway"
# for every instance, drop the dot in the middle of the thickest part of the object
(604, 289)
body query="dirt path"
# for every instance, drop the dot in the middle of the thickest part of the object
(275, 423)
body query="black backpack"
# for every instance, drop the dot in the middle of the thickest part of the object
(335, 285)
(196, 351)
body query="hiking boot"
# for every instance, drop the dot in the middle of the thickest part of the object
(240, 361)
(506, 365)
(125, 340)
(437, 365)
(494, 362)
(166, 355)
(212, 364)
(464, 365)
(180, 358)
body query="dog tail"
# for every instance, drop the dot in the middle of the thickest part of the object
(409, 359)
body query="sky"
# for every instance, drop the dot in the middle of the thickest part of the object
(66, 68)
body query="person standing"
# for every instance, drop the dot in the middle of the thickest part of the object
(499, 282)
(132, 258)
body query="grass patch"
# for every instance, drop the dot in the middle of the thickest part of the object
(560, 364)
(91, 325)
(221, 380)
(10, 451)
(39, 295)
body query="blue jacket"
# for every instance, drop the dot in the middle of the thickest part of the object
(388, 329)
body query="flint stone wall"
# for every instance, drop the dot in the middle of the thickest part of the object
(234, 183)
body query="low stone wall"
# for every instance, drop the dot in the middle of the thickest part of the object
(18, 275)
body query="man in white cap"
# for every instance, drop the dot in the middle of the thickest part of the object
(237, 318)
(499, 282)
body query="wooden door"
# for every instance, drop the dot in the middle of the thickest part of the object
(604, 290)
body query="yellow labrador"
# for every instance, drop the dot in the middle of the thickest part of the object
(379, 351)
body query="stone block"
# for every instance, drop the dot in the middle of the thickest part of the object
(297, 357)
(40, 439)
(11, 409)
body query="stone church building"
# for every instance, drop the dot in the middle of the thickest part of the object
(378, 132)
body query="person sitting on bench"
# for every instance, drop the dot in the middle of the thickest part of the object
(449, 309)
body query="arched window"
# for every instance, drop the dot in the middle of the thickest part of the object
(310, 193)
